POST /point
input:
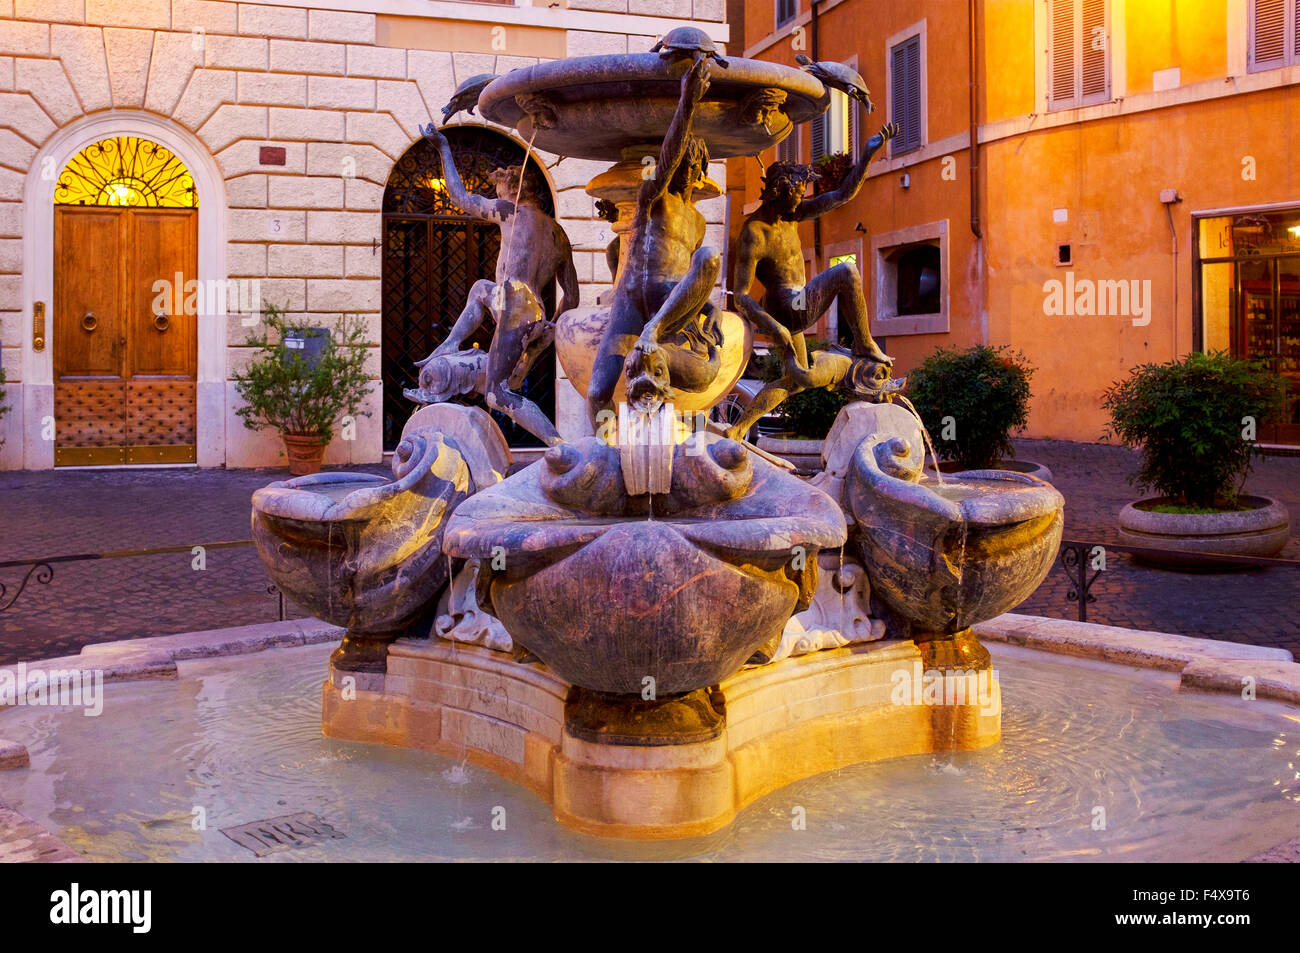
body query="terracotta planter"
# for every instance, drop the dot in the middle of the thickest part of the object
(1262, 530)
(305, 452)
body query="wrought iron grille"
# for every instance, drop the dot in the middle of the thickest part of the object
(126, 171)
(414, 185)
(433, 254)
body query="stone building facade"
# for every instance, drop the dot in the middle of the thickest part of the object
(289, 120)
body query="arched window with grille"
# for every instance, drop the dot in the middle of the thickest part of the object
(433, 254)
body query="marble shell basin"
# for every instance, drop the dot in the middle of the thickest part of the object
(609, 601)
(358, 550)
(943, 556)
(593, 107)
(946, 556)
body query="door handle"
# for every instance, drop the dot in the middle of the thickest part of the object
(161, 322)
(89, 321)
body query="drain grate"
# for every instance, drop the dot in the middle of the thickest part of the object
(282, 833)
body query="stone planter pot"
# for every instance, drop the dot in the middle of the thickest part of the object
(305, 452)
(1262, 530)
(804, 453)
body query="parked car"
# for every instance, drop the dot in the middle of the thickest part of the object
(727, 411)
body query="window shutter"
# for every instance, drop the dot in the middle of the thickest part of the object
(1269, 30)
(1061, 50)
(1295, 32)
(912, 135)
(785, 10)
(787, 151)
(1095, 51)
(818, 136)
(905, 94)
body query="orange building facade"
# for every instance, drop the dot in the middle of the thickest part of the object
(1110, 183)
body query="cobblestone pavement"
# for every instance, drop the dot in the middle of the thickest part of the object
(1259, 606)
(57, 512)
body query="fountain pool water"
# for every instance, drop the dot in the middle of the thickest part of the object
(1180, 777)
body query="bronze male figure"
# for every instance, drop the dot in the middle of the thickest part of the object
(535, 252)
(769, 248)
(666, 280)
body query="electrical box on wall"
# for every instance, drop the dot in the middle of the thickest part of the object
(1064, 255)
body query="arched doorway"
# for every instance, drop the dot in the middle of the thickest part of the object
(433, 254)
(125, 354)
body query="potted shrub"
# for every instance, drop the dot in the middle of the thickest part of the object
(971, 400)
(1194, 421)
(302, 382)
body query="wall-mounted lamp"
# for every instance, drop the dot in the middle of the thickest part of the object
(906, 180)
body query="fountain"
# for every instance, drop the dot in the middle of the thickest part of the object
(653, 626)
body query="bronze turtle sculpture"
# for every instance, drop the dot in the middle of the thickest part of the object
(688, 41)
(466, 95)
(838, 76)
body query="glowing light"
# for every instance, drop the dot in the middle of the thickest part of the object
(119, 193)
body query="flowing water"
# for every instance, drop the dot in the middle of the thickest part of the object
(1178, 776)
(339, 491)
(925, 435)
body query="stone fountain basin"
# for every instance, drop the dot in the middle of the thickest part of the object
(947, 556)
(608, 601)
(358, 550)
(603, 104)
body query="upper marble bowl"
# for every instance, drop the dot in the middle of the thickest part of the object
(594, 107)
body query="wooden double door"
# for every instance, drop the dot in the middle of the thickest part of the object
(125, 345)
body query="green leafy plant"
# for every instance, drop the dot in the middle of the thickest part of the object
(280, 389)
(809, 413)
(1192, 419)
(985, 392)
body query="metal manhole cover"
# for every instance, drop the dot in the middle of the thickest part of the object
(282, 833)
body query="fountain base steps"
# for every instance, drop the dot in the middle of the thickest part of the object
(775, 724)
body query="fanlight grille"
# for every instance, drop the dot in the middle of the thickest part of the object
(126, 171)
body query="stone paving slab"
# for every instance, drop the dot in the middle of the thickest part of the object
(24, 841)
(1284, 853)
(1276, 680)
(1108, 643)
